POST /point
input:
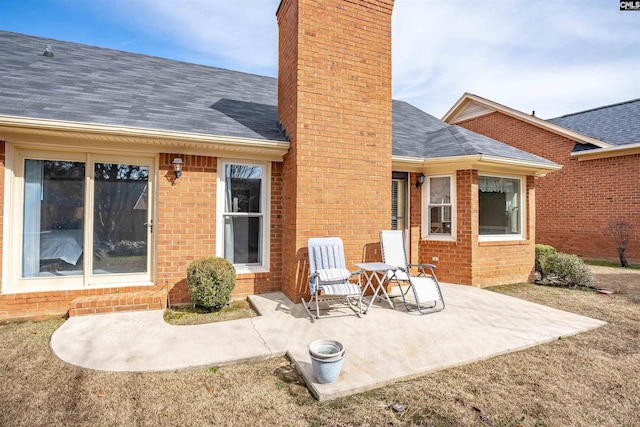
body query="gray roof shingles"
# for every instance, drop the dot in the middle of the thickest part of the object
(418, 134)
(617, 124)
(95, 85)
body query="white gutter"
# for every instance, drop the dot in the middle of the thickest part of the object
(141, 135)
(476, 161)
(597, 153)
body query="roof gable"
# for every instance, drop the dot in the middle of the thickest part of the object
(470, 106)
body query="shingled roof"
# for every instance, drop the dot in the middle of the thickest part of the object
(617, 124)
(89, 84)
(94, 85)
(419, 134)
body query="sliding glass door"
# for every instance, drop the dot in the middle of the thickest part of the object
(120, 218)
(83, 219)
(53, 218)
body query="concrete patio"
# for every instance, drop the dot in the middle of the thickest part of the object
(382, 347)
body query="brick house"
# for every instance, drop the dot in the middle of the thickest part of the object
(599, 183)
(96, 218)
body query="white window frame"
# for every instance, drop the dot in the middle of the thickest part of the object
(265, 208)
(426, 212)
(521, 213)
(13, 282)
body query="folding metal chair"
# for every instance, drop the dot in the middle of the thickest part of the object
(425, 286)
(329, 278)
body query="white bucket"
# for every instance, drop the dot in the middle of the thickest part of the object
(326, 349)
(326, 360)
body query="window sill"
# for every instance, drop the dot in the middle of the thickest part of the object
(437, 238)
(504, 242)
(250, 269)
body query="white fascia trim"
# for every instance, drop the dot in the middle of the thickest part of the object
(415, 164)
(450, 116)
(538, 167)
(596, 153)
(143, 135)
(407, 164)
(478, 160)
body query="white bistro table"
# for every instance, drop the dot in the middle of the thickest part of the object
(375, 274)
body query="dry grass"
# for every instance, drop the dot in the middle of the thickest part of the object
(189, 315)
(588, 380)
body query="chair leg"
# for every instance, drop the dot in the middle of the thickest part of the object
(307, 307)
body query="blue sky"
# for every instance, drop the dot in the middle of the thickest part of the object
(554, 57)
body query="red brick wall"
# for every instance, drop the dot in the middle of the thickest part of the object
(185, 230)
(455, 258)
(467, 261)
(415, 219)
(338, 172)
(575, 204)
(505, 262)
(287, 114)
(43, 305)
(187, 226)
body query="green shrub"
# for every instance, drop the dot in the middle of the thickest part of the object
(566, 270)
(210, 282)
(542, 253)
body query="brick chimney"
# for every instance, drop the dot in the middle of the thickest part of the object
(334, 101)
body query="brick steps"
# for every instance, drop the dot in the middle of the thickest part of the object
(114, 303)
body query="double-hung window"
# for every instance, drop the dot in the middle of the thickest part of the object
(440, 207)
(242, 220)
(500, 203)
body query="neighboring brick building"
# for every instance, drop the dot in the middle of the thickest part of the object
(96, 218)
(599, 183)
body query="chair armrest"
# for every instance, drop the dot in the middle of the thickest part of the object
(422, 265)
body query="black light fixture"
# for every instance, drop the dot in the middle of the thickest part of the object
(420, 180)
(177, 167)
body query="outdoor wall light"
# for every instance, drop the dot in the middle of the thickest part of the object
(177, 167)
(420, 180)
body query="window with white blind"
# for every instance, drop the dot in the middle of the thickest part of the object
(399, 203)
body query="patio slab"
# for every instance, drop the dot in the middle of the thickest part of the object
(382, 347)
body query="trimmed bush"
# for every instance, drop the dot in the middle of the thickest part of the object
(542, 253)
(210, 282)
(566, 270)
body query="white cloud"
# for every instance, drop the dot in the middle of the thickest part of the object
(555, 57)
(236, 34)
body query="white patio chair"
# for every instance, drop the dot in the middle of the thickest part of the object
(329, 276)
(425, 286)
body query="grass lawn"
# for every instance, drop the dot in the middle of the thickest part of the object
(610, 264)
(592, 379)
